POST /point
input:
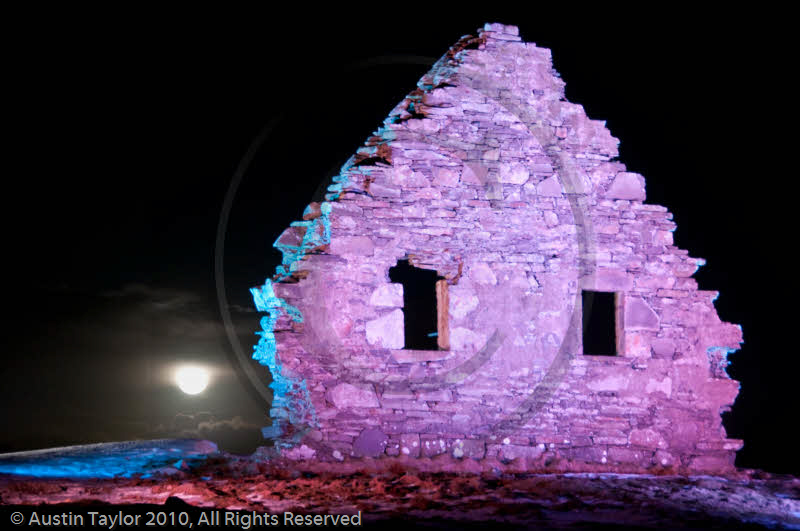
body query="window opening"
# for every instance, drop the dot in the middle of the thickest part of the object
(425, 305)
(599, 323)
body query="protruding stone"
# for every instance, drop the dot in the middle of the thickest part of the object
(312, 211)
(501, 28)
(292, 237)
(627, 185)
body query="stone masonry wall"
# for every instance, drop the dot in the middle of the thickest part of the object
(487, 175)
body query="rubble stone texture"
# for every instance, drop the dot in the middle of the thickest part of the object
(487, 175)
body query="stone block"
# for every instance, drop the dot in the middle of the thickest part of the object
(647, 438)
(469, 448)
(398, 394)
(462, 301)
(419, 356)
(663, 348)
(712, 464)
(550, 187)
(433, 447)
(371, 442)
(387, 331)
(438, 395)
(636, 345)
(616, 381)
(299, 453)
(445, 177)
(663, 385)
(379, 190)
(474, 173)
(509, 452)
(409, 444)
(482, 274)
(550, 218)
(465, 339)
(491, 155)
(587, 454)
(347, 395)
(628, 456)
(605, 279)
(352, 245)
(292, 237)
(513, 173)
(387, 295)
(627, 185)
(312, 211)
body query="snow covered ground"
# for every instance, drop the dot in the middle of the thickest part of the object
(108, 460)
(392, 490)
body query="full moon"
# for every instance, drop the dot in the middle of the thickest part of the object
(191, 380)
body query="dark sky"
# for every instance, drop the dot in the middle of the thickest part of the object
(123, 136)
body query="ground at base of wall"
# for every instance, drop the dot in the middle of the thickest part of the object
(394, 490)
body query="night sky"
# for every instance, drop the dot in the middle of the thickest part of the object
(123, 138)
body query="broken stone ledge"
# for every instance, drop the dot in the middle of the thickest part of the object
(418, 356)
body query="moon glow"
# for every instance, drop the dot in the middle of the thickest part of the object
(192, 380)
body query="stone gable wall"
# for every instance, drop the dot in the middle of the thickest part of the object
(488, 176)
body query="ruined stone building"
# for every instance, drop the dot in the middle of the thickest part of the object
(485, 280)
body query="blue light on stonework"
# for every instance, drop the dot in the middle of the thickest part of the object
(339, 182)
(699, 262)
(719, 356)
(266, 301)
(291, 400)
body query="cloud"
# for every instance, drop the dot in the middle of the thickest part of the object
(162, 299)
(233, 434)
(235, 423)
(238, 308)
(202, 424)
